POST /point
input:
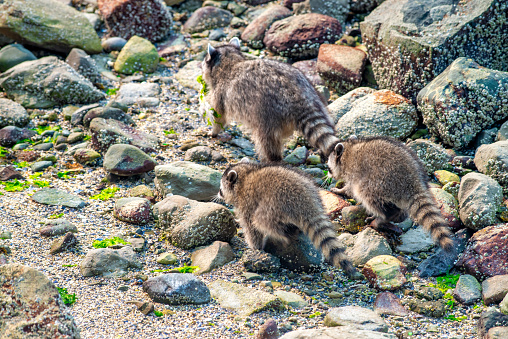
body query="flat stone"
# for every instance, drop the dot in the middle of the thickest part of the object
(144, 307)
(133, 210)
(188, 223)
(429, 293)
(387, 303)
(57, 227)
(341, 332)
(56, 197)
(167, 259)
(216, 255)
(297, 156)
(468, 290)
(385, 272)
(243, 300)
(187, 179)
(355, 316)
(188, 74)
(86, 156)
(291, 299)
(144, 94)
(109, 262)
(177, 289)
(494, 289)
(127, 160)
(415, 240)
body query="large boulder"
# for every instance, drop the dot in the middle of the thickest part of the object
(32, 306)
(492, 160)
(12, 114)
(463, 100)
(410, 42)
(254, 33)
(300, 36)
(138, 55)
(107, 132)
(48, 24)
(381, 113)
(187, 179)
(48, 82)
(188, 223)
(149, 19)
(207, 17)
(341, 67)
(479, 199)
(486, 252)
(345, 103)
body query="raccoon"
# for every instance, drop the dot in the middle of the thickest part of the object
(391, 183)
(272, 201)
(272, 99)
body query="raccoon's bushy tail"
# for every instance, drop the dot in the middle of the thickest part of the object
(425, 212)
(323, 236)
(318, 129)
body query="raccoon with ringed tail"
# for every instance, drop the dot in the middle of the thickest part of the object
(271, 201)
(390, 181)
(272, 99)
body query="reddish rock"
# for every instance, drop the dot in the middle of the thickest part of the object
(10, 135)
(254, 33)
(388, 303)
(133, 210)
(308, 67)
(486, 253)
(332, 203)
(289, 3)
(9, 173)
(341, 67)
(495, 289)
(268, 330)
(145, 18)
(300, 36)
(207, 18)
(28, 156)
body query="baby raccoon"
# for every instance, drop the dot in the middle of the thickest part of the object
(271, 201)
(270, 98)
(389, 180)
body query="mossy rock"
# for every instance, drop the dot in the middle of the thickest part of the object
(138, 55)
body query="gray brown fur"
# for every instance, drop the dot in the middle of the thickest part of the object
(391, 183)
(272, 99)
(271, 201)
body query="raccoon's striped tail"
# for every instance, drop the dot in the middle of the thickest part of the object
(318, 129)
(323, 236)
(425, 212)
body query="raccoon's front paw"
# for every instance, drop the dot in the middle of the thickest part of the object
(338, 191)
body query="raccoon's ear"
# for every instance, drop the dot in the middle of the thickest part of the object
(232, 176)
(339, 149)
(211, 50)
(245, 160)
(235, 42)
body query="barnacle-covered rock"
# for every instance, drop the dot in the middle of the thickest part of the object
(410, 42)
(463, 100)
(255, 31)
(492, 160)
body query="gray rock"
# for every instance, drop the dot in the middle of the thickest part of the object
(143, 94)
(10, 135)
(48, 24)
(84, 65)
(133, 210)
(490, 320)
(199, 154)
(299, 255)
(188, 74)
(487, 136)
(167, 259)
(472, 98)
(207, 18)
(12, 114)
(297, 156)
(492, 160)
(435, 309)
(56, 197)
(78, 115)
(67, 241)
(336, 9)
(260, 261)
(47, 82)
(355, 316)
(106, 113)
(57, 227)
(342, 332)
(75, 137)
(189, 223)
(108, 262)
(243, 300)
(494, 289)
(137, 244)
(113, 44)
(433, 155)
(216, 255)
(468, 290)
(12, 55)
(40, 166)
(177, 289)
(127, 160)
(291, 299)
(479, 198)
(382, 113)
(107, 132)
(409, 45)
(367, 245)
(429, 293)
(415, 240)
(30, 290)
(45, 146)
(502, 133)
(346, 102)
(187, 179)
